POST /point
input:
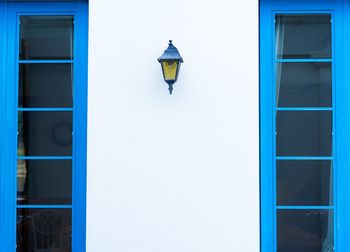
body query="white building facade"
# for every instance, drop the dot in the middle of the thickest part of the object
(180, 172)
(249, 153)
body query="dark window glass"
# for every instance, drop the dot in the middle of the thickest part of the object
(46, 37)
(45, 85)
(44, 182)
(304, 84)
(303, 36)
(46, 230)
(304, 182)
(304, 133)
(45, 133)
(304, 230)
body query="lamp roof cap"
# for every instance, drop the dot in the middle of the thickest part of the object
(171, 53)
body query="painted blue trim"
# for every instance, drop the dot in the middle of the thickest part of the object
(45, 109)
(6, 195)
(44, 206)
(44, 157)
(305, 207)
(11, 131)
(46, 61)
(342, 136)
(274, 130)
(296, 7)
(302, 60)
(80, 122)
(267, 221)
(342, 103)
(334, 140)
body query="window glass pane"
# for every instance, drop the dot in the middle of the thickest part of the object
(304, 133)
(304, 182)
(45, 85)
(44, 182)
(304, 230)
(303, 36)
(46, 230)
(45, 133)
(304, 84)
(46, 37)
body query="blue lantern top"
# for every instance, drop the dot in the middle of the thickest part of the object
(171, 53)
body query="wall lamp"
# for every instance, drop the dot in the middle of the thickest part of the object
(170, 62)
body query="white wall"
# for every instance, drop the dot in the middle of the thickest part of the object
(173, 173)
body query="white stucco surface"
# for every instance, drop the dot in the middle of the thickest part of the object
(173, 173)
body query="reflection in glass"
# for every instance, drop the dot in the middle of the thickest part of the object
(44, 182)
(304, 133)
(45, 133)
(304, 230)
(304, 84)
(303, 36)
(304, 183)
(46, 230)
(45, 85)
(46, 37)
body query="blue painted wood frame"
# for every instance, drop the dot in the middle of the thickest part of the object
(9, 26)
(340, 11)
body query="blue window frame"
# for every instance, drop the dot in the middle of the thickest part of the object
(274, 208)
(12, 15)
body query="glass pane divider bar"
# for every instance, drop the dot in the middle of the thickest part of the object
(305, 207)
(304, 108)
(45, 109)
(43, 206)
(302, 60)
(44, 157)
(304, 158)
(45, 61)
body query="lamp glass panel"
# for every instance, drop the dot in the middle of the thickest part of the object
(169, 70)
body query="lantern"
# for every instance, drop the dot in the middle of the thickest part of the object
(170, 62)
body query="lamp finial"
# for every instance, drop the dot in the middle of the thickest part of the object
(170, 88)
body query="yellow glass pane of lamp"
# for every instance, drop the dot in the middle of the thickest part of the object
(169, 70)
